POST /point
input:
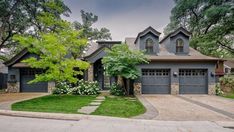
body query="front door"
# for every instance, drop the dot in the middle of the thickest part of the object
(100, 77)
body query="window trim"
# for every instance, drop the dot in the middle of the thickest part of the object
(149, 46)
(179, 46)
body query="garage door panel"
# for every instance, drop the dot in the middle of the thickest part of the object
(155, 81)
(26, 76)
(193, 81)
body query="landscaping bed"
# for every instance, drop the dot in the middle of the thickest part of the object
(54, 103)
(120, 107)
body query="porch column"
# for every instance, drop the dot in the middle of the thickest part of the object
(90, 73)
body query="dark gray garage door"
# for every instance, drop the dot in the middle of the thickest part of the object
(193, 81)
(155, 81)
(28, 75)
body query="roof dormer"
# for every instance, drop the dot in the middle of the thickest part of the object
(148, 40)
(177, 42)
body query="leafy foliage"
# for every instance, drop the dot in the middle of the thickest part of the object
(19, 17)
(211, 23)
(116, 90)
(121, 61)
(57, 49)
(82, 88)
(88, 19)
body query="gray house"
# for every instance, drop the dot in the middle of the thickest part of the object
(174, 68)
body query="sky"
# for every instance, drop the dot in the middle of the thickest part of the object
(124, 18)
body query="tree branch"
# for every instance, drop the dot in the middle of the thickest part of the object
(226, 47)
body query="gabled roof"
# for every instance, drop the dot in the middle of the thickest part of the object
(165, 55)
(181, 29)
(18, 56)
(147, 30)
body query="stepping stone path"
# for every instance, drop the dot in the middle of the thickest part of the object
(92, 106)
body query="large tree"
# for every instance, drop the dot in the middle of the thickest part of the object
(20, 17)
(88, 19)
(211, 23)
(120, 61)
(57, 49)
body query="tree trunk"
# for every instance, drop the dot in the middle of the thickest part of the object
(120, 82)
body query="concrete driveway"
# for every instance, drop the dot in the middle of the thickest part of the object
(6, 99)
(192, 107)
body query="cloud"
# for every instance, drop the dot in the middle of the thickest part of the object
(124, 18)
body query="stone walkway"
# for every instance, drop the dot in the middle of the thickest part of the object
(92, 106)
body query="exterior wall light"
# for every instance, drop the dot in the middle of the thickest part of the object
(212, 74)
(175, 74)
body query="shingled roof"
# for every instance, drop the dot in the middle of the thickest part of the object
(165, 55)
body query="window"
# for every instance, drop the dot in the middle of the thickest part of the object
(179, 46)
(149, 46)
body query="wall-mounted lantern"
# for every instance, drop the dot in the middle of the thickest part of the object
(212, 74)
(175, 74)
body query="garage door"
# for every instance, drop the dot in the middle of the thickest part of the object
(28, 75)
(155, 81)
(193, 81)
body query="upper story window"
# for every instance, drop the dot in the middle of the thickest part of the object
(179, 46)
(149, 45)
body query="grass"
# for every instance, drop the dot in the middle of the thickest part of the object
(120, 107)
(229, 95)
(54, 103)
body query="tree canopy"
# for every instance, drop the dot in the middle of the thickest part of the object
(211, 23)
(121, 61)
(20, 17)
(88, 19)
(57, 50)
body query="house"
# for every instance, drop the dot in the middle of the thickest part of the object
(229, 66)
(174, 68)
(3, 76)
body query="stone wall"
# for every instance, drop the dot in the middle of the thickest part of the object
(13, 87)
(90, 73)
(175, 88)
(51, 86)
(137, 88)
(211, 89)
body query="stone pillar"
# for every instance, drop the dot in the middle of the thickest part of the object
(13, 87)
(51, 86)
(211, 89)
(137, 88)
(90, 73)
(175, 88)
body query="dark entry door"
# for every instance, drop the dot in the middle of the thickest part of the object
(193, 81)
(28, 75)
(156, 81)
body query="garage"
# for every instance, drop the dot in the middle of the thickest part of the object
(193, 81)
(28, 74)
(155, 81)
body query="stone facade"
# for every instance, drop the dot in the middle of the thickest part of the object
(90, 73)
(211, 89)
(175, 88)
(13, 87)
(51, 86)
(137, 88)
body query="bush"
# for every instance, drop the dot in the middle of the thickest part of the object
(116, 90)
(218, 90)
(81, 88)
(227, 84)
(61, 88)
(85, 88)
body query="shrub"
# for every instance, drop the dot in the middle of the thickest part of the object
(227, 84)
(116, 90)
(61, 88)
(218, 90)
(85, 88)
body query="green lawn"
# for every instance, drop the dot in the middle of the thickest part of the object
(230, 95)
(120, 107)
(54, 103)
